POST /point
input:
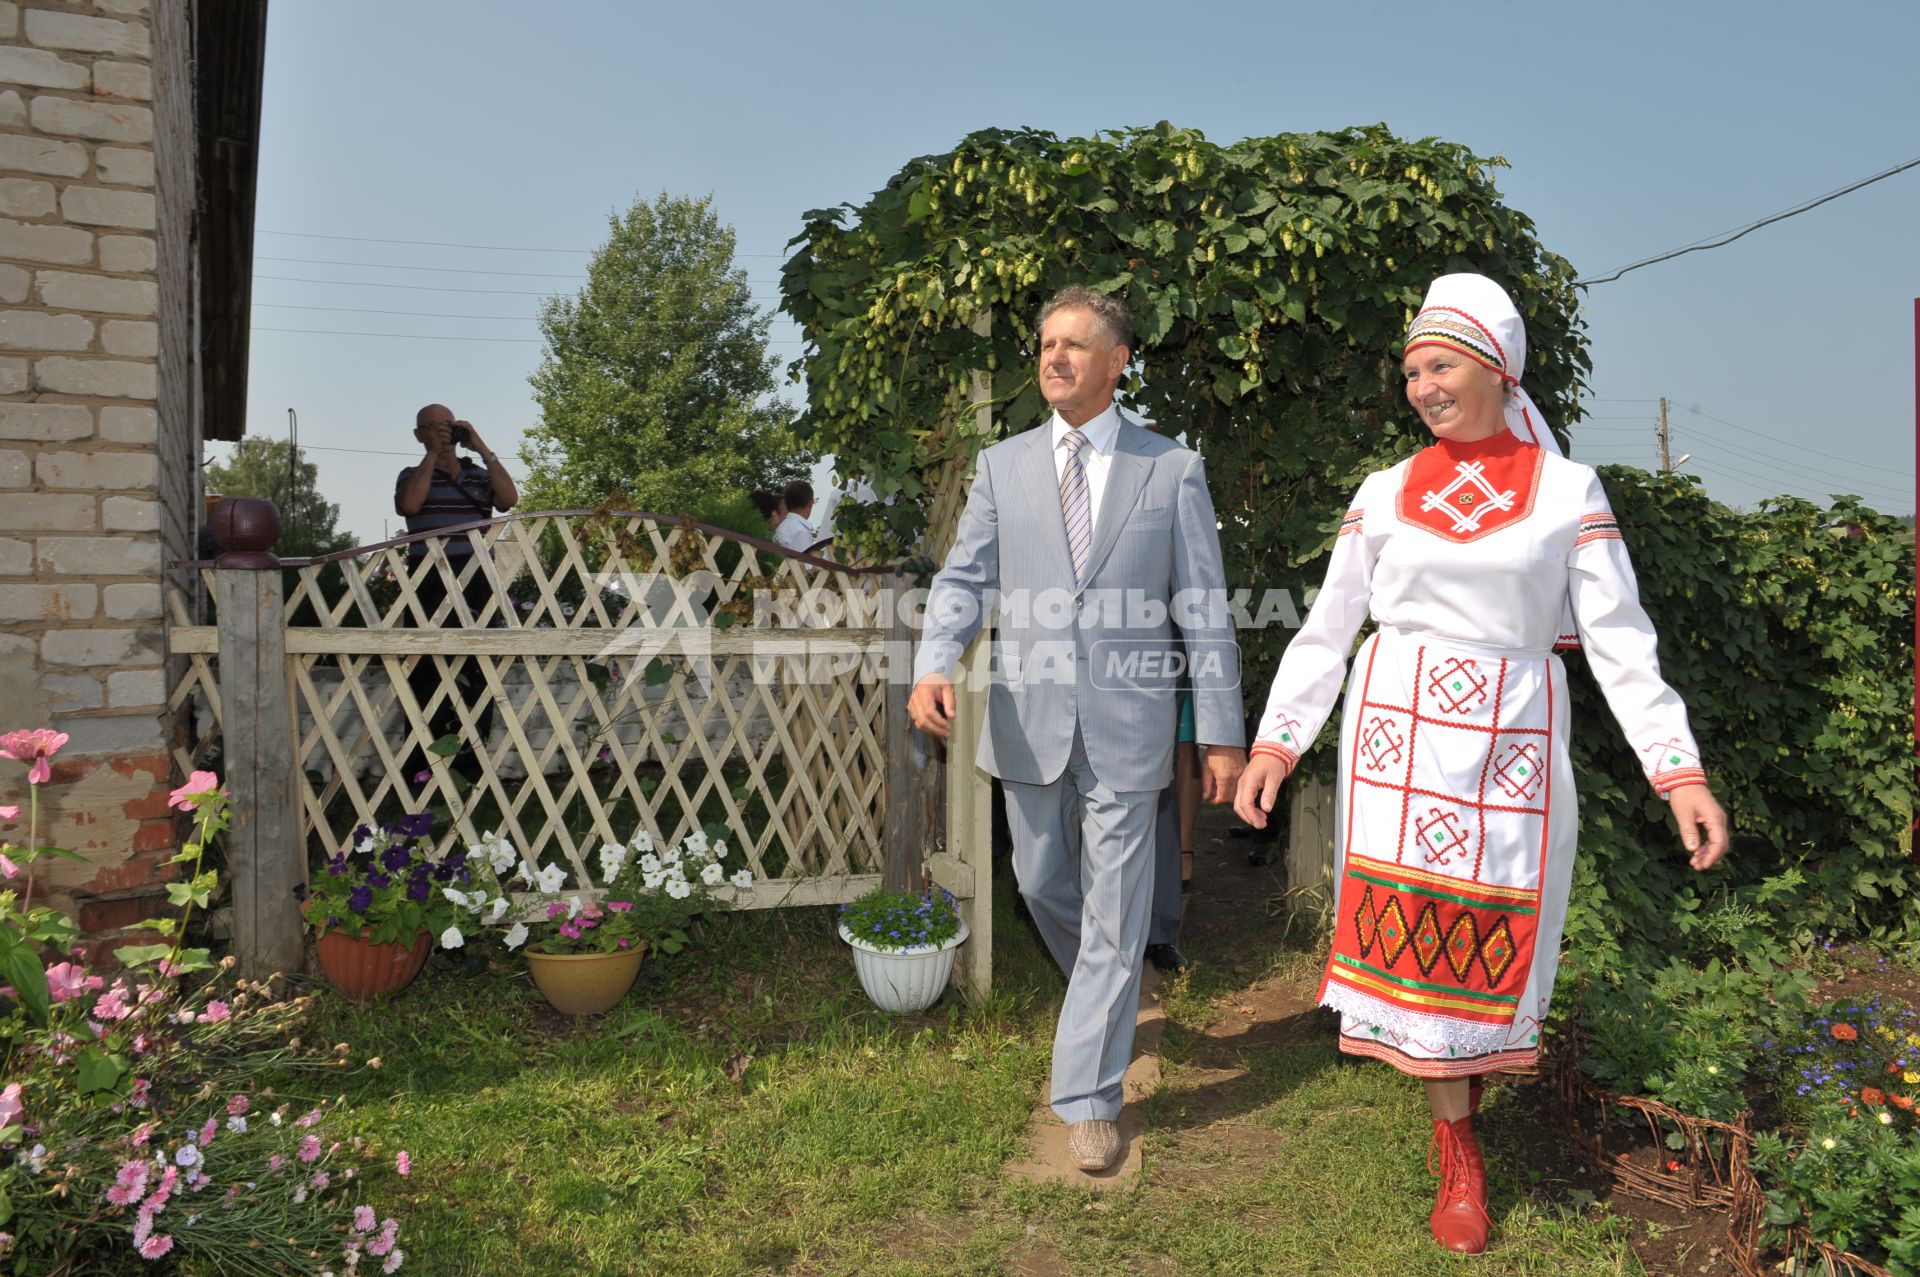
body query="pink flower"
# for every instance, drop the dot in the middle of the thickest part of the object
(393, 1262)
(113, 1004)
(622, 942)
(9, 813)
(156, 1245)
(216, 1011)
(7, 866)
(310, 1148)
(320, 1180)
(238, 1105)
(207, 1132)
(310, 1118)
(275, 1162)
(620, 906)
(10, 1106)
(137, 1093)
(198, 785)
(403, 1163)
(121, 1195)
(67, 980)
(35, 746)
(363, 1219)
(389, 1233)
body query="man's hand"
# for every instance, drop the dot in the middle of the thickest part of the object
(1259, 788)
(931, 705)
(473, 439)
(1695, 809)
(1220, 773)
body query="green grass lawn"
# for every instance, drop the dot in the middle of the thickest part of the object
(857, 1143)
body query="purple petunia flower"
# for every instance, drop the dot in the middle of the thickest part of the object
(396, 858)
(417, 825)
(420, 889)
(377, 879)
(337, 867)
(361, 897)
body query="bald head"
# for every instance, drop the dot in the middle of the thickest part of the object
(433, 414)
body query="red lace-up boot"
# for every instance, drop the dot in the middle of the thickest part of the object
(1459, 1221)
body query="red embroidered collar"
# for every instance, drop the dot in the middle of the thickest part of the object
(1463, 491)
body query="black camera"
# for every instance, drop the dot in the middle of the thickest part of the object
(462, 437)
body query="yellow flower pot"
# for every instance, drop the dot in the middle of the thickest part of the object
(585, 983)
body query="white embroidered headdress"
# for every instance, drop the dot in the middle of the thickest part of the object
(1474, 315)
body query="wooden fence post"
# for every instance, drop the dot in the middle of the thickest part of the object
(966, 869)
(916, 763)
(266, 855)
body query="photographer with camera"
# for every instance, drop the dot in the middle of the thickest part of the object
(446, 490)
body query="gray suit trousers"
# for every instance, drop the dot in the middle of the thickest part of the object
(1090, 896)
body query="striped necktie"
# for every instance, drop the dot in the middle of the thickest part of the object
(1075, 505)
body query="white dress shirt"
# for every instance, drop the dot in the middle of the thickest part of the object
(1096, 458)
(794, 532)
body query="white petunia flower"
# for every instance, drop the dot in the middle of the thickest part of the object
(457, 896)
(516, 935)
(743, 879)
(678, 889)
(550, 878)
(649, 864)
(695, 843)
(712, 875)
(652, 881)
(451, 938)
(500, 908)
(574, 905)
(641, 844)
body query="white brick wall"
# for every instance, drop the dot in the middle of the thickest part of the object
(99, 445)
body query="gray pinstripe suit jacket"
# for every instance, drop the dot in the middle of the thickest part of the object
(1102, 657)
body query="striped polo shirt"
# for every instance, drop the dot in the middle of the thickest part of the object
(450, 501)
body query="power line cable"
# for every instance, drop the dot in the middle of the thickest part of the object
(460, 270)
(1749, 228)
(1851, 489)
(441, 314)
(1818, 452)
(529, 341)
(435, 243)
(418, 288)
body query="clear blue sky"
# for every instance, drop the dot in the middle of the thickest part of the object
(1632, 128)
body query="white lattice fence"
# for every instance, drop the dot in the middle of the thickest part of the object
(637, 674)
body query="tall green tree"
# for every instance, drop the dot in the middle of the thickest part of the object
(656, 381)
(275, 469)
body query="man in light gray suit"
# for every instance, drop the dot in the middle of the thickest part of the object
(1096, 539)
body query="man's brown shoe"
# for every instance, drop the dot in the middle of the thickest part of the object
(1094, 1146)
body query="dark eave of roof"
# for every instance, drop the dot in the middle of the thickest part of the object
(230, 46)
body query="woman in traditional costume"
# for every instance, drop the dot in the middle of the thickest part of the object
(1457, 818)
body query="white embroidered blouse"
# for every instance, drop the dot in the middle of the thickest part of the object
(1486, 543)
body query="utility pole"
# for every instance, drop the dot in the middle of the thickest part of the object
(1666, 454)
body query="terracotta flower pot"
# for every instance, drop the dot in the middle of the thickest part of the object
(361, 970)
(585, 983)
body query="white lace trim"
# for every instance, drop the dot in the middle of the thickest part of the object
(1414, 1032)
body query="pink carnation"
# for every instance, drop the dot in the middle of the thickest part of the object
(156, 1246)
(310, 1148)
(403, 1163)
(113, 1004)
(216, 1011)
(238, 1105)
(207, 1132)
(389, 1233)
(364, 1220)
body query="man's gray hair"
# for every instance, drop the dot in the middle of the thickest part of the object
(1112, 315)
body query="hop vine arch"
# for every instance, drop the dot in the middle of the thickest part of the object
(1270, 281)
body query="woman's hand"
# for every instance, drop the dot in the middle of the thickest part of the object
(1696, 810)
(1259, 787)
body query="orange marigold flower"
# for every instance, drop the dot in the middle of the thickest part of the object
(1901, 1101)
(1872, 1095)
(1844, 1032)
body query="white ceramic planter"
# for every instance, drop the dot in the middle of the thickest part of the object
(901, 980)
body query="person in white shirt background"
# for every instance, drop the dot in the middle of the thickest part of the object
(796, 531)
